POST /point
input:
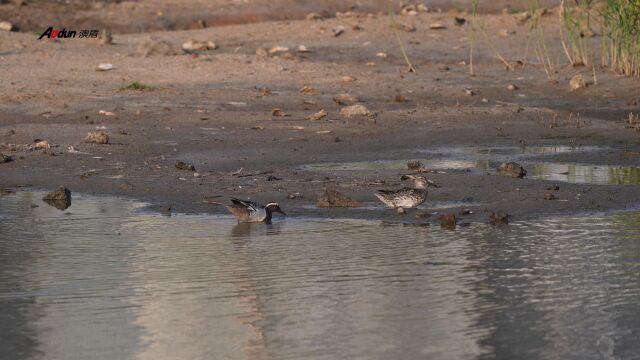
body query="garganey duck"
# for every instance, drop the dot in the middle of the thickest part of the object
(249, 211)
(407, 197)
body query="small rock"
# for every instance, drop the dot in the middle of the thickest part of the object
(273, 178)
(60, 199)
(464, 212)
(106, 113)
(512, 169)
(459, 20)
(278, 112)
(549, 196)
(332, 198)
(104, 67)
(577, 82)
(306, 89)
(105, 37)
(337, 31)
(262, 52)
(512, 87)
(348, 79)
(294, 196)
(41, 145)
(5, 158)
(181, 165)
(437, 26)
(303, 49)
(554, 187)
(197, 46)
(448, 221)
(97, 137)
(10, 133)
(313, 16)
(155, 48)
(399, 98)
(382, 55)
(498, 218)
(354, 111)
(469, 92)
(344, 99)
(6, 26)
(318, 116)
(443, 67)
(523, 18)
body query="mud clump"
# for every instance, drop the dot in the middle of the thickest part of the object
(60, 199)
(181, 165)
(332, 198)
(512, 169)
(97, 137)
(448, 221)
(354, 111)
(498, 218)
(153, 48)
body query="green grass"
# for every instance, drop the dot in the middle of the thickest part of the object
(137, 86)
(621, 36)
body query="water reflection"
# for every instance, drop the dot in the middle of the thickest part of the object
(137, 285)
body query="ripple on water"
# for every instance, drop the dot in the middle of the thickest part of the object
(134, 284)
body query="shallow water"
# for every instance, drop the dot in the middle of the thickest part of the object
(105, 280)
(487, 159)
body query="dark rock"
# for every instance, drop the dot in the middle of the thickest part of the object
(5, 158)
(273, 178)
(498, 218)
(181, 165)
(60, 199)
(512, 169)
(332, 198)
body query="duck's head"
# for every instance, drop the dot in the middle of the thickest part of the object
(419, 182)
(274, 208)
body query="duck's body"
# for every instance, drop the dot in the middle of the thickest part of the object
(406, 197)
(250, 211)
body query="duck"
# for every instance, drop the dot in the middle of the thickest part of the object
(252, 212)
(407, 197)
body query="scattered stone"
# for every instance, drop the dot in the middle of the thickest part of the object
(512, 87)
(405, 27)
(303, 49)
(10, 133)
(6, 26)
(105, 38)
(306, 89)
(554, 187)
(262, 52)
(294, 196)
(318, 116)
(155, 48)
(60, 199)
(192, 46)
(5, 158)
(512, 169)
(401, 211)
(97, 137)
(104, 67)
(337, 31)
(459, 20)
(437, 26)
(400, 99)
(40, 145)
(313, 16)
(448, 221)
(332, 198)
(549, 196)
(522, 18)
(469, 92)
(348, 79)
(498, 218)
(464, 212)
(345, 99)
(273, 178)
(278, 112)
(181, 165)
(423, 8)
(354, 111)
(382, 55)
(106, 113)
(577, 82)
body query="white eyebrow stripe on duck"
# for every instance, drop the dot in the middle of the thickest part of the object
(269, 204)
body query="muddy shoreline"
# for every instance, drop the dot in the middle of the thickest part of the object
(214, 110)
